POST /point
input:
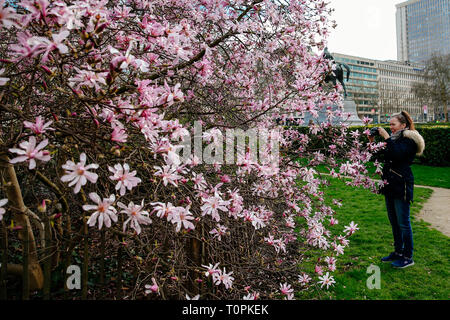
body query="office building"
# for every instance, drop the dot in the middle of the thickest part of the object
(362, 85)
(423, 29)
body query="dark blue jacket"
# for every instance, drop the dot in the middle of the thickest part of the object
(398, 157)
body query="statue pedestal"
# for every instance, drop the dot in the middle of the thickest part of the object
(350, 107)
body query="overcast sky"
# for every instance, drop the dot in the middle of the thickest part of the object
(366, 28)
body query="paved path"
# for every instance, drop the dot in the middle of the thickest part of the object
(436, 210)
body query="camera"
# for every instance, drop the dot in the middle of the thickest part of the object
(374, 132)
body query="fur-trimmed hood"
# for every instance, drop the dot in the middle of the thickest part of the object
(417, 138)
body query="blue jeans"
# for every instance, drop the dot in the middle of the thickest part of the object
(398, 213)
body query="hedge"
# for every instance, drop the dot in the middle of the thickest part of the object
(437, 146)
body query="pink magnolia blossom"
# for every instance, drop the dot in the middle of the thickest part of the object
(88, 78)
(223, 277)
(219, 231)
(30, 152)
(304, 278)
(125, 178)
(164, 210)
(78, 174)
(119, 133)
(46, 46)
(136, 215)
(212, 205)
(39, 126)
(326, 280)
(154, 288)
(2, 210)
(287, 291)
(251, 296)
(180, 217)
(168, 175)
(351, 228)
(211, 269)
(126, 60)
(197, 297)
(104, 211)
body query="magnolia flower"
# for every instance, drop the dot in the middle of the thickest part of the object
(78, 173)
(30, 152)
(304, 278)
(219, 231)
(125, 178)
(351, 228)
(212, 205)
(104, 211)
(199, 181)
(152, 288)
(193, 298)
(45, 45)
(211, 269)
(168, 174)
(2, 211)
(136, 216)
(286, 289)
(223, 277)
(164, 210)
(124, 61)
(118, 134)
(39, 126)
(182, 216)
(251, 296)
(326, 280)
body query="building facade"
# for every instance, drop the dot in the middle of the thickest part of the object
(423, 29)
(362, 85)
(395, 81)
(381, 88)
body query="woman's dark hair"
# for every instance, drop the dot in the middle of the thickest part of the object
(404, 117)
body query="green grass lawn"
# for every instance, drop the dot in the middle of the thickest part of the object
(423, 175)
(427, 279)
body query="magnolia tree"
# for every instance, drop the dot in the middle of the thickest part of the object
(114, 115)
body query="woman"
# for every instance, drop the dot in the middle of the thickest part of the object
(401, 148)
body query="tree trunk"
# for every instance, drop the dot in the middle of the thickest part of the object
(14, 194)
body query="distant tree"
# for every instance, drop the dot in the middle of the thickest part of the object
(435, 86)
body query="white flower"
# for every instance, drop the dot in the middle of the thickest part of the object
(126, 178)
(212, 205)
(30, 152)
(164, 210)
(351, 228)
(78, 173)
(2, 211)
(104, 211)
(193, 298)
(168, 174)
(211, 269)
(223, 277)
(136, 216)
(182, 216)
(326, 280)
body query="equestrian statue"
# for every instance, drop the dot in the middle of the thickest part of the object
(338, 73)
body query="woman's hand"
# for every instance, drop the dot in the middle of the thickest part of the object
(383, 133)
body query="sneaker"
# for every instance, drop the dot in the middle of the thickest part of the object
(392, 257)
(402, 263)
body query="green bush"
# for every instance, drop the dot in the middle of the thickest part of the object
(437, 137)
